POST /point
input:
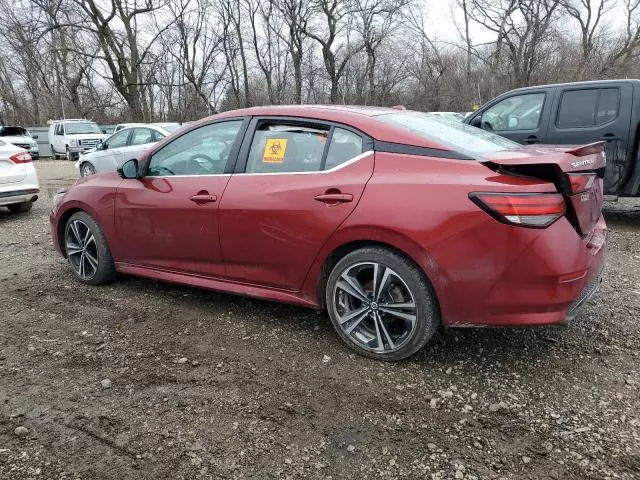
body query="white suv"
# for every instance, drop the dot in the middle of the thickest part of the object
(20, 137)
(69, 138)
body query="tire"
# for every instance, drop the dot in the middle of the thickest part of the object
(23, 207)
(87, 169)
(69, 155)
(88, 249)
(374, 327)
(53, 153)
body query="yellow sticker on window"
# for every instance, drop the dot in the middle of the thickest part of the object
(274, 150)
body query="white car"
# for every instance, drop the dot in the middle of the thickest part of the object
(20, 137)
(18, 179)
(70, 138)
(125, 144)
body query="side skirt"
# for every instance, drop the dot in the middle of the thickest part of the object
(224, 286)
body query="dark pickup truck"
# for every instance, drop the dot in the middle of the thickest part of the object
(575, 114)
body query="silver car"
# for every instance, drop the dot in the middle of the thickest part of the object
(128, 142)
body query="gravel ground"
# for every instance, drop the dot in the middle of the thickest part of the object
(141, 379)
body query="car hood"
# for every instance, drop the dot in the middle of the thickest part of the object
(15, 139)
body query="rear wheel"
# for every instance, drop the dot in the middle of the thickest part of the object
(69, 155)
(87, 250)
(381, 304)
(87, 169)
(53, 153)
(20, 207)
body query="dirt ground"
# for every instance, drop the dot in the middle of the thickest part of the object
(141, 379)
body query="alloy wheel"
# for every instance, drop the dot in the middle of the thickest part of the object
(374, 307)
(87, 169)
(82, 249)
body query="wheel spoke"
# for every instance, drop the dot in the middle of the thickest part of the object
(352, 288)
(398, 305)
(72, 249)
(89, 239)
(81, 265)
(353, 314)
(404, 316)
(93, 261)
(356, 322)
(377, 293)
(86, 236)
(384, 331)
(76, 233)
(378, 334)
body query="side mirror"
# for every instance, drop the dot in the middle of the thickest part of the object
(102, 146)
(129, 169)
(477, 121)
(104, 131)
(35, 136)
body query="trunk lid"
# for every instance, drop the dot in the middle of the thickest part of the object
(577, 172)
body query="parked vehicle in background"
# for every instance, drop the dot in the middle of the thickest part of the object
(69, 138)
(454, 116)
(126, 143)
(169, 126)
(395, 221)
(20, 137)
(18, 179)
(575, 113)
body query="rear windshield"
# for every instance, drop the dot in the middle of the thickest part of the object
(457, 136)
(13, 132)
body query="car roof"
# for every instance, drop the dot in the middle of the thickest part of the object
(587, 83)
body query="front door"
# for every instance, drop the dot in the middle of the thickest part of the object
(169, 218)
(297, 183)
(590, 114)
(521, 117)
(108, 152)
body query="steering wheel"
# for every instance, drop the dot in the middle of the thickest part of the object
(197, 163)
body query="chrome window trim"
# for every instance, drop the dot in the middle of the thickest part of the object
(318, 172)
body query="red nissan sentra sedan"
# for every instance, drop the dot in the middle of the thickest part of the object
(394, 221)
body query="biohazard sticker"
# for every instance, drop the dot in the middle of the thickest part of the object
(274, 150)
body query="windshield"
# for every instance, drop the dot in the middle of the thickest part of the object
(14, 132)
(78, 128)
(457, 136)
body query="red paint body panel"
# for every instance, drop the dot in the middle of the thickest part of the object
(272, 227)
(267, 236)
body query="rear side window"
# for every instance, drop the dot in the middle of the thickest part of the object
(344, 146)
(588, 107)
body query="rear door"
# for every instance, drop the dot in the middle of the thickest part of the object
(599, 113)
(296, 182)
(521, 117)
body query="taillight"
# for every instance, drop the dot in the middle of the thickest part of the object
(535, 210)
(22, 157)
(581, 182)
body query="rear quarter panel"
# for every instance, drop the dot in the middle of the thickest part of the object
(420, 205)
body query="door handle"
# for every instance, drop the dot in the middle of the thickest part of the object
(608, 137)
(203, 198)
(334, 197)
(533, 139)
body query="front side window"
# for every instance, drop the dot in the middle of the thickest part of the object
(457, 136)
(203, 151)
(282, 148)
(79, 128)
(118, 140)
(520, 112)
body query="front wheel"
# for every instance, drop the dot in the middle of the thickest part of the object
(87, 250)
(87, 169)
(381, 304)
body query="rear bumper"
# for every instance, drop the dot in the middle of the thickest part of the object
(554, 274)
(28, 193)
